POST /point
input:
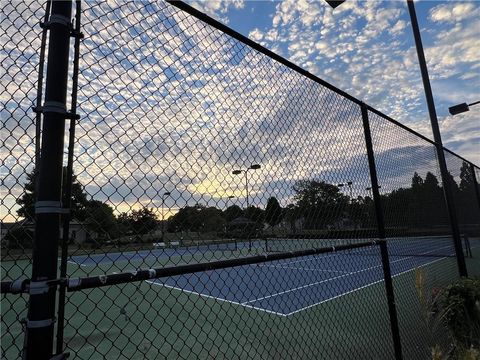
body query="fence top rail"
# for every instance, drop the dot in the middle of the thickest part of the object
(461, 158)
(76, 284)
(236, 35)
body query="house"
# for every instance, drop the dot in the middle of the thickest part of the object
(5, 227)
(344, 223)
(287, 226)
(78, 231)
(242, 227)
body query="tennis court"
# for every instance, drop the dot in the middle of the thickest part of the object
(163, 253)
(286, 287)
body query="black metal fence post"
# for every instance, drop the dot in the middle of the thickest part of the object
(41, 313)
(381, 235)
(447, 187)
(68, 186)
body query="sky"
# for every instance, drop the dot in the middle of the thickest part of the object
(367, 49)
(169, 104)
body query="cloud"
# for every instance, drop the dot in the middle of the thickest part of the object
(398, 27)
(217, 8)
(453, 12)
(174, 105)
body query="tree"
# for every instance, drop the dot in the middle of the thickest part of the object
(100, 220)
(291, 214)
(362, 210)
(431, 181)
(254, 214)
(212, 219)
(186, 219)
(27, 201)
(467, 203)
(199, 218)
(273, 212)
(466, 178)
(319, 202)
(417, 181)
(143, 221)
(233, 212)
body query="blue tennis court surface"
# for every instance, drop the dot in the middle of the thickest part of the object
(289, 286)
(286, 287)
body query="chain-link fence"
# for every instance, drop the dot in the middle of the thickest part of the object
(217, 200)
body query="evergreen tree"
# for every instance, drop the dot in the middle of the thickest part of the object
(273, 212)
(466, 178)
(27, 201)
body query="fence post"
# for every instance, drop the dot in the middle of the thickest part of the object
(41, 311)
(447, 187)
(68, 186)
(381, 235)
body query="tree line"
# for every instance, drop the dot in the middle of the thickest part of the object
(316, 205)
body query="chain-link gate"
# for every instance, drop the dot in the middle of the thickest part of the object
(210, 199)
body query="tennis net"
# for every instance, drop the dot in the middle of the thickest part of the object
(422, 246)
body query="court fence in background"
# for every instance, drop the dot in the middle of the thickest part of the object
(212, 200)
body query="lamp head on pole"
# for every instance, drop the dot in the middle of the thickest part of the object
(255, 166)
(458, 109)
(334, 3)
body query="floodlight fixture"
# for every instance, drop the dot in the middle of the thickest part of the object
(461, 108)
(237, 172)
(334, 3)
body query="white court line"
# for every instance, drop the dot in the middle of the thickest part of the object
(338, 277)
(323, 281)
(76, 263)
(309, 285)
(375, 282)
(362, 287)
(215, 298)
(321, 302)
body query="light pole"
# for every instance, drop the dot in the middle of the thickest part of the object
(163, 213)
(238, 172)
(228, 198)
(226, 219)
(370, 190)
(349, 184)
(461, 108)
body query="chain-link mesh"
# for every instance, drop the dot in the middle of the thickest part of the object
(21, 39)
(416, 220)
(237, 186)
(467, 206)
